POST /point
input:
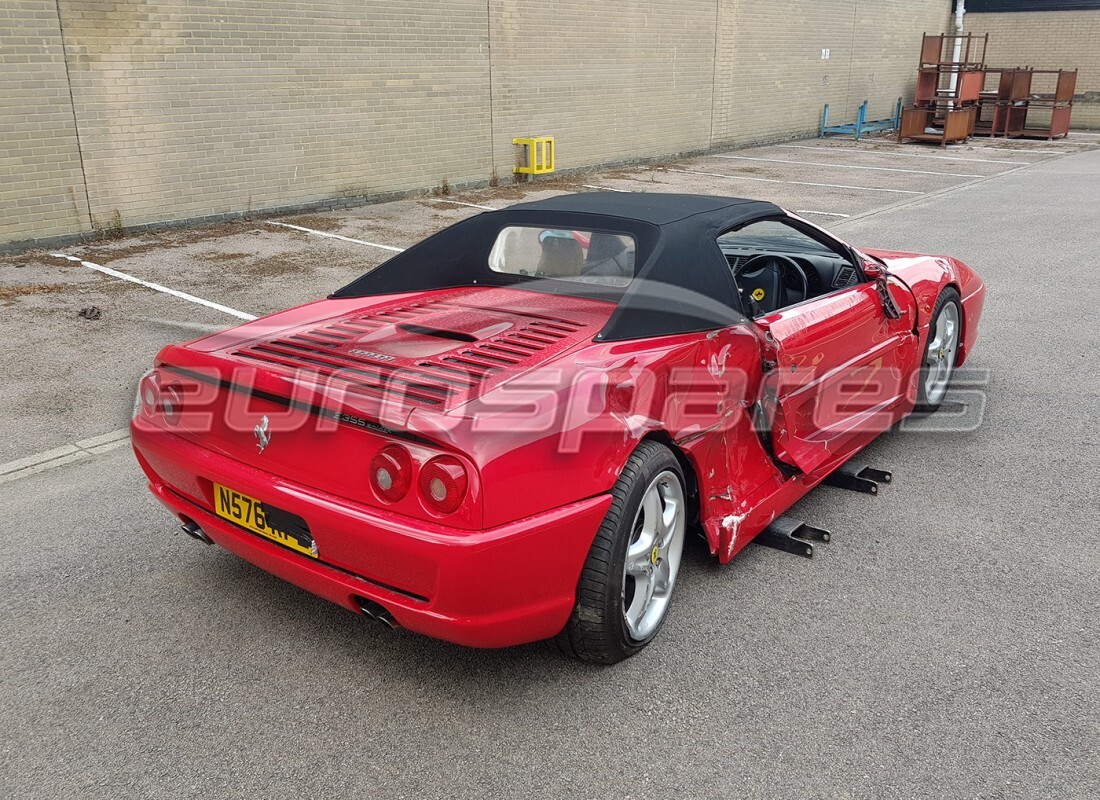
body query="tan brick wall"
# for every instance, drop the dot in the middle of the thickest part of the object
(772, 81)
(194, 108)
(1049, 40)
(41, 188)
(611, 81)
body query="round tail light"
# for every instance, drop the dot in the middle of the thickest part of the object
(443, 484)
(149, 391)
(171, 403)
(391, 473)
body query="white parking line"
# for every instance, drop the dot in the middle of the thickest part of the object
(793, 183)
(458, 203)
(851, 166)
(186, 325)
(894, 152)
(336, 236)
(66, 454)
(114, 273)
(605, 188)
(822, 213)
(1047, 145)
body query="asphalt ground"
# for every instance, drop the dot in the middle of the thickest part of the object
(944, 644)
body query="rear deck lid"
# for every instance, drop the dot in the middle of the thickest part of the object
(434, 351)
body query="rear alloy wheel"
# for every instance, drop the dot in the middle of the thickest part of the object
(941, 352)
(627, 582)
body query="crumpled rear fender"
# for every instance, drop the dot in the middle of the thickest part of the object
(564, 431)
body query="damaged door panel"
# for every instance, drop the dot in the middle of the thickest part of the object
(840, 374)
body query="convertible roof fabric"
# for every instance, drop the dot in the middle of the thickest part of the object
(683, 282)
(657, 209)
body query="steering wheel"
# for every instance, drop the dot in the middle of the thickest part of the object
(761, 278)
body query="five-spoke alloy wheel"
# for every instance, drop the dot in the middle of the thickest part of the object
(941, 352)
(628, 578)
(653, 556)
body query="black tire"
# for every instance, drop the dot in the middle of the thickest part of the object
(925, 404)
(597, 629)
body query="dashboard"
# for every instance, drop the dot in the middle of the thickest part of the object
(825, 271)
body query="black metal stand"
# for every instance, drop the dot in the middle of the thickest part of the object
(792, 536)
(858, 478)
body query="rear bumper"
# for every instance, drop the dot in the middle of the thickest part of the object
(491, 588)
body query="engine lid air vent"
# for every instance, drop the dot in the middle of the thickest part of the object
(431, 353)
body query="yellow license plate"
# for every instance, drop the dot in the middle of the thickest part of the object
(272, 523)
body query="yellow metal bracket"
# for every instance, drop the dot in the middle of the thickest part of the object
(537, 156)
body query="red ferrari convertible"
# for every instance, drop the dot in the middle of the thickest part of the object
(504, 433)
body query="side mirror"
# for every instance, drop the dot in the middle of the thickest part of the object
(874, 270)
(877, 272)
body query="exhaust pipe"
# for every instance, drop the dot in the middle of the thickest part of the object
(376, 611)
(192, 529)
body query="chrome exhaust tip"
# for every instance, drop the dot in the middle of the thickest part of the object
(192, 529)
(376, 611)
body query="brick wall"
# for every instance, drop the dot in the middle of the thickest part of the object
(201, 108)
(613, 81)
(1049, 40)
(772, 81)
(41, 188)
(188, 109)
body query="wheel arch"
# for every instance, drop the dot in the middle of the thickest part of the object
(960, 353)
(950, 283)
(687, 466)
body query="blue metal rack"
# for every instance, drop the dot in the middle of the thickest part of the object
(862, 125)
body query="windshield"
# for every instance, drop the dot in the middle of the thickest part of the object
(772, 236)
(599, 257)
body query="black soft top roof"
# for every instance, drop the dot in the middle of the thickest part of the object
(682, 281)
(656, 209)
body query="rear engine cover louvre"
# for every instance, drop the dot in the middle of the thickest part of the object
(431, 353)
